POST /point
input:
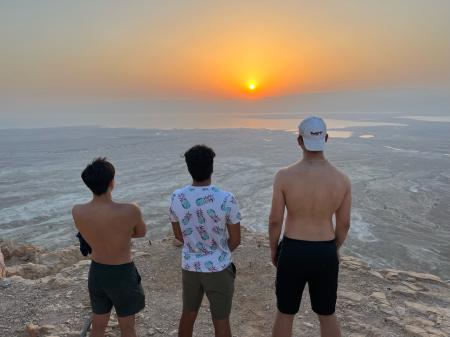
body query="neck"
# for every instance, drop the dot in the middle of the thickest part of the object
(206, 182)
(313, 156)
(106, 197)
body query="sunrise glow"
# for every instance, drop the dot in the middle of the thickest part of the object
(158, 50)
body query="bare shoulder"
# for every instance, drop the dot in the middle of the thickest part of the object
(281, 175)
(131, 209)
(78, 209)
(342, 176)
(283, 172)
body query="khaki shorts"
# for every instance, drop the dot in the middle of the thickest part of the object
(219, 289)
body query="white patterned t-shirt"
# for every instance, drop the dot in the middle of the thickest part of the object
(203, 213)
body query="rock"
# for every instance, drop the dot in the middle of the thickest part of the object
(415, 331)
(393, 319)
(425, 309)
(404, 291)
(437, 332)
(19, 253)
(72, 334)
(5, 283)
(352, 296)
(379, 297)
(423, 322)
(422, 276)
(386, 309)
(62, 258)
(59, 281)
(400, 310)
(376, 274)
(160, 330)
(413, 286)
(20, 280)
(32, 330)
(47, 328)
(83, 263)
(392, 275)
(352, 262)
(28, 271)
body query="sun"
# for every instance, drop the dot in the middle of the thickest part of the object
(251, 86)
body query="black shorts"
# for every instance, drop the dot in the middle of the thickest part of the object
(117, 286)
(312, 262)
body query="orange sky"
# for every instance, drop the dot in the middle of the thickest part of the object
(214, 49)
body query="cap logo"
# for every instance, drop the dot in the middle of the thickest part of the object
(318, 133)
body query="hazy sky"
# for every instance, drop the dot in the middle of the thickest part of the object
(208, 49)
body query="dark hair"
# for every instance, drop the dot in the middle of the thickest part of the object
(98, 175)
(199, 160)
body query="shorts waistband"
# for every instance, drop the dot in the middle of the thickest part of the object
(102, 266)
(307, 242)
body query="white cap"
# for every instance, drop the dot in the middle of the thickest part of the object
(313, 131)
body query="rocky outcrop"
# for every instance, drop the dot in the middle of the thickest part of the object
(45, 295)
(32, 262)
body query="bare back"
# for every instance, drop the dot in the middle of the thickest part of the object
(313, 192)
(108, 228)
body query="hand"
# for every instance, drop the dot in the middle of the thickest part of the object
(274, 257)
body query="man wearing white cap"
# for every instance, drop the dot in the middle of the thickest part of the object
(312, 190)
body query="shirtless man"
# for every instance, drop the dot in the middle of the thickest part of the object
(312, 190)
(108, 227)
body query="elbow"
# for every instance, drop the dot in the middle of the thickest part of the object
(346, 225)
(140, 233)
(343, 226)
(143, 233)
(274, 223)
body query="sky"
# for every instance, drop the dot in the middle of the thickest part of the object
(216, 50)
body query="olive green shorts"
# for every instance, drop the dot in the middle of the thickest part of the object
(218, 287)
(117, 286)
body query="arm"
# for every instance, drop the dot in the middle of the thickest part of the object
(177, 231)
(140, 229)
(234, 235)
(74, 216)
(343, 217)
(276, 217)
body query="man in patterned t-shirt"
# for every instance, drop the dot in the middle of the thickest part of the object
(207, 221)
